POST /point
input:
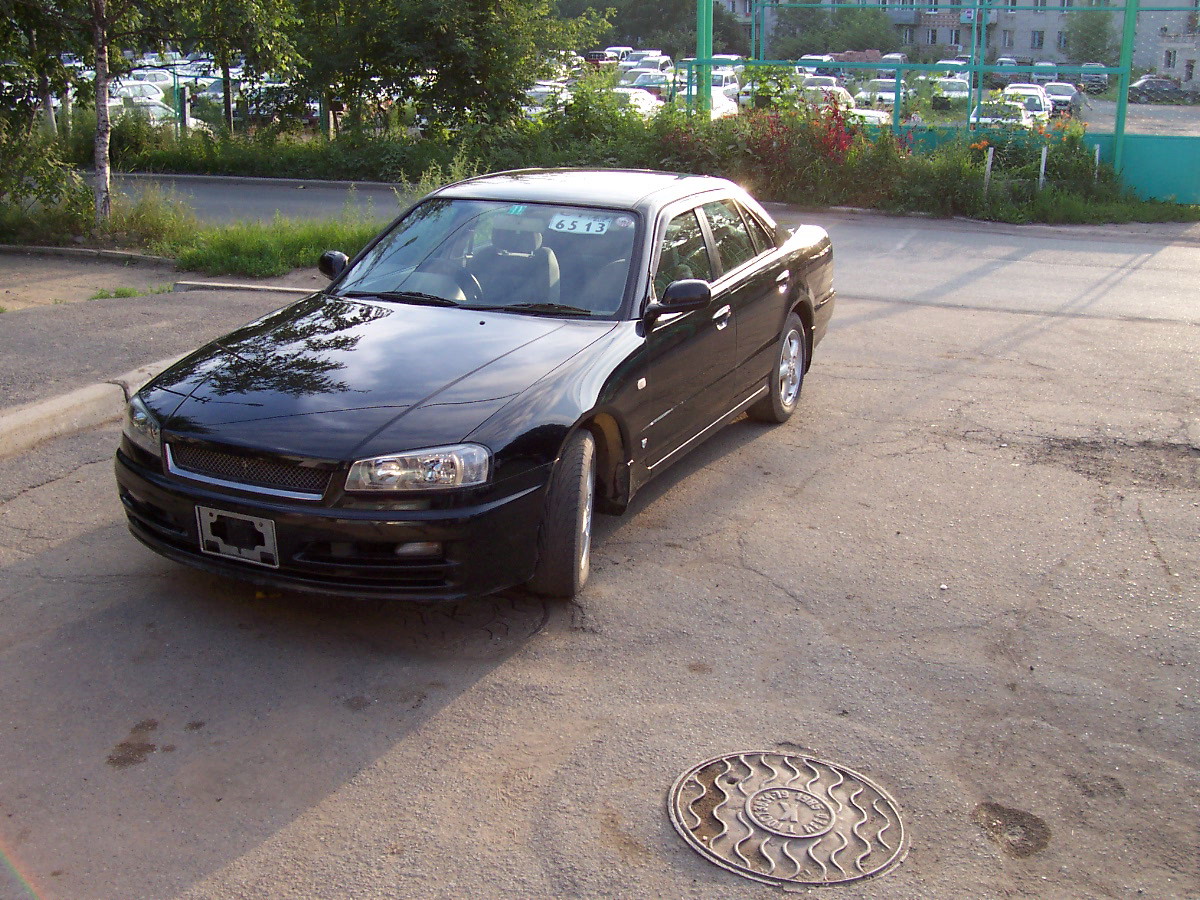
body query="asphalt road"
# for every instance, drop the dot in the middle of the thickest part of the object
(1144, 118)
(223, 200)
(967, 568)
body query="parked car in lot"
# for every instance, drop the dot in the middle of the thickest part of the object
(881, 92)
(643, 102)
(1044, 72)
(1033, 97)
(629, 76)
(1065, 99)
(1149, 89)
(512, 354)
(1093, 82)
(1003, 79)
(137, 91)
(1001, 114)
(656, 83)
(841, 98)
(952, 88)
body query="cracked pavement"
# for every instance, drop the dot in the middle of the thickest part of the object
(968, 568)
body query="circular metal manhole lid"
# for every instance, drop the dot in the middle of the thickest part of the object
(785, 818)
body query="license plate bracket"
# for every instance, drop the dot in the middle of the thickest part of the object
(237, 536)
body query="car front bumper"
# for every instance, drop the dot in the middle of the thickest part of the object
(328, 550)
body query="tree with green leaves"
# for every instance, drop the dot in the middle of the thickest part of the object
(456, 62)
(667, 25)
(801, 31)
(1092, 36)
(262, 32)
(105, 27)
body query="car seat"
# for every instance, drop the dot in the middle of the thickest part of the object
(516, 268)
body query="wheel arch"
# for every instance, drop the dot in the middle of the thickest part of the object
(612, 453)
(802, 306)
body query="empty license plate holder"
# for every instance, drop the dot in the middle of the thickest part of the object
(237, 536)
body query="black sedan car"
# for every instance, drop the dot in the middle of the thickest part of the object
(511, 354)
(1149, 89)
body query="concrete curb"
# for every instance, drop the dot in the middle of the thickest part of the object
(88, 252)
(184, 286)
(24, 427)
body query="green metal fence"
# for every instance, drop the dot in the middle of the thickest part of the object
(1141, 112)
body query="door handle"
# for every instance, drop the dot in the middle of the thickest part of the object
(722, 316)
(783, 276)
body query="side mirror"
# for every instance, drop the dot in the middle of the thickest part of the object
(680, 296)
(332, 263)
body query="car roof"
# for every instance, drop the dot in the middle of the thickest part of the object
(621, 188)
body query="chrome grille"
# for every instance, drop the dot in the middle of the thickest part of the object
(251, 471)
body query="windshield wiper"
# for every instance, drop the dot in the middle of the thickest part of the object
(554, 309)
(403, 297)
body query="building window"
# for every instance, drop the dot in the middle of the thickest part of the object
(931, 36)
(1037, 40)
(908, 36)
(1189, 70)
(1062, 40)
(746, 7)
(1012, 4)
(1169, 59)
(1066, 4)
(1007, 40)
(955, 36)
(1039, 6)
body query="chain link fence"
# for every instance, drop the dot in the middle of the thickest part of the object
(1123, 75)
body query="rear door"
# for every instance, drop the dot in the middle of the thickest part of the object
(752, 284)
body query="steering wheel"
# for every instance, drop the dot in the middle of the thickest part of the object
(472, 290)
(470, 287)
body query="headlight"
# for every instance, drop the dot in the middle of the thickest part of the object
(142, 428)
(461, 465)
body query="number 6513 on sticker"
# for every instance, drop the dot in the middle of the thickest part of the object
(575, 223)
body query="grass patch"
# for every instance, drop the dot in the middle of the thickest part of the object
(162, 223)
(265, 249)
(125, 292)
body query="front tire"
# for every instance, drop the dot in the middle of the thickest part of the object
(786, 377)
(565, 535)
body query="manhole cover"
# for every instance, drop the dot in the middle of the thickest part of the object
(787, 819)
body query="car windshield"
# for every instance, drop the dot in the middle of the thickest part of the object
(1060, 90)
(651, 78)
(529, 257)
(952, 84)
(879, 85)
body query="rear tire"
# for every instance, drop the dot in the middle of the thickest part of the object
(786, 377)
(565, 534)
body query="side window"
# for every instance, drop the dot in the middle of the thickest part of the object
(762, 239)
(684, 253)
(729, 234)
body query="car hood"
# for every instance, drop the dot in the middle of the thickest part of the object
(327, 376)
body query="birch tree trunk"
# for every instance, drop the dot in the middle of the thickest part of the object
(103, 183)
(227, 85)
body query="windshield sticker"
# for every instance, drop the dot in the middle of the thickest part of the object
(516, 210)
(578, 223)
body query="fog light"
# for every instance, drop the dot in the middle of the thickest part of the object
(419, 548)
